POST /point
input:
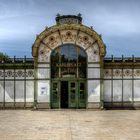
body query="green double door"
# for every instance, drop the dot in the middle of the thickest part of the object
(68, 94)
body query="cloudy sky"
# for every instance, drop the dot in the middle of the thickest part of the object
(117, 20)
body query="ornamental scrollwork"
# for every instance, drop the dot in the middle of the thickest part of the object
(73, 33)
(16, 73)
(121, 73)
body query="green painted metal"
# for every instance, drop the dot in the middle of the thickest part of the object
(112, 86)
(24, 82)
(122, 81)
(14, 85)
(14, 89)
(81, 94)
(72, 94)
(55, 94)
(4, 89)
(76, 94)
(35, 84)
(101, 83)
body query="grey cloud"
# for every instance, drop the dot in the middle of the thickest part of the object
(117, 20)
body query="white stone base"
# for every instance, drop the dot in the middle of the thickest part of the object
(43, 105)
(93, 105)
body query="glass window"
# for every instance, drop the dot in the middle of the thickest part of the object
(68, 61)
(55, 63)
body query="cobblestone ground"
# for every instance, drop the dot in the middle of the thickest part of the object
(69, 125)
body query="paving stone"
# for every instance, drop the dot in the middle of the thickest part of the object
(69, 125)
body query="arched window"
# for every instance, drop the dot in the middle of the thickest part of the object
(68, 61)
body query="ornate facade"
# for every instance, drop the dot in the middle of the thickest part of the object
(69, 70)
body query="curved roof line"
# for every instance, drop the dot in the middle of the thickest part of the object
(80, 27)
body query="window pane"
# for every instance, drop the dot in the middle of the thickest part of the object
(68, 54)
(82, 63)
(68, 59)
(55, 63)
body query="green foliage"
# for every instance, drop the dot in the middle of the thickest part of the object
(4, 57)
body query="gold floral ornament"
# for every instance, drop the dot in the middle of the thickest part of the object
(96, 52)
(68, 34)
(127, 73)
(30, 73)
(1, 74)
(137, 72)
(19, 73)
(9, 74)
(85, 38)
(51, 39)
(41, 52)
(107, 73)
(117, 73)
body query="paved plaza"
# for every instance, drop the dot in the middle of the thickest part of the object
(69, 125)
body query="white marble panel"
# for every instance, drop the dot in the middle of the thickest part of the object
(29, 91)
(1, 74)
(93, 54)
(1, 91)
(96, 52)
(43, 65)
(93, 72)
(93, 91)
(43, 91)
(9, 91)
(19, 91)
(43, 73)
(107, 90)
(137, 90)
(117, 90)
(127, 90)
(44, 53)
(96, 65)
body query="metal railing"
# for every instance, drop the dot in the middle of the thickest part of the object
(17, 60)
(122, 59)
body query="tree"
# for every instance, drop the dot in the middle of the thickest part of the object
(4, 57)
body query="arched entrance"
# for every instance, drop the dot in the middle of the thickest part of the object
(68, 60)
(68, 77)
